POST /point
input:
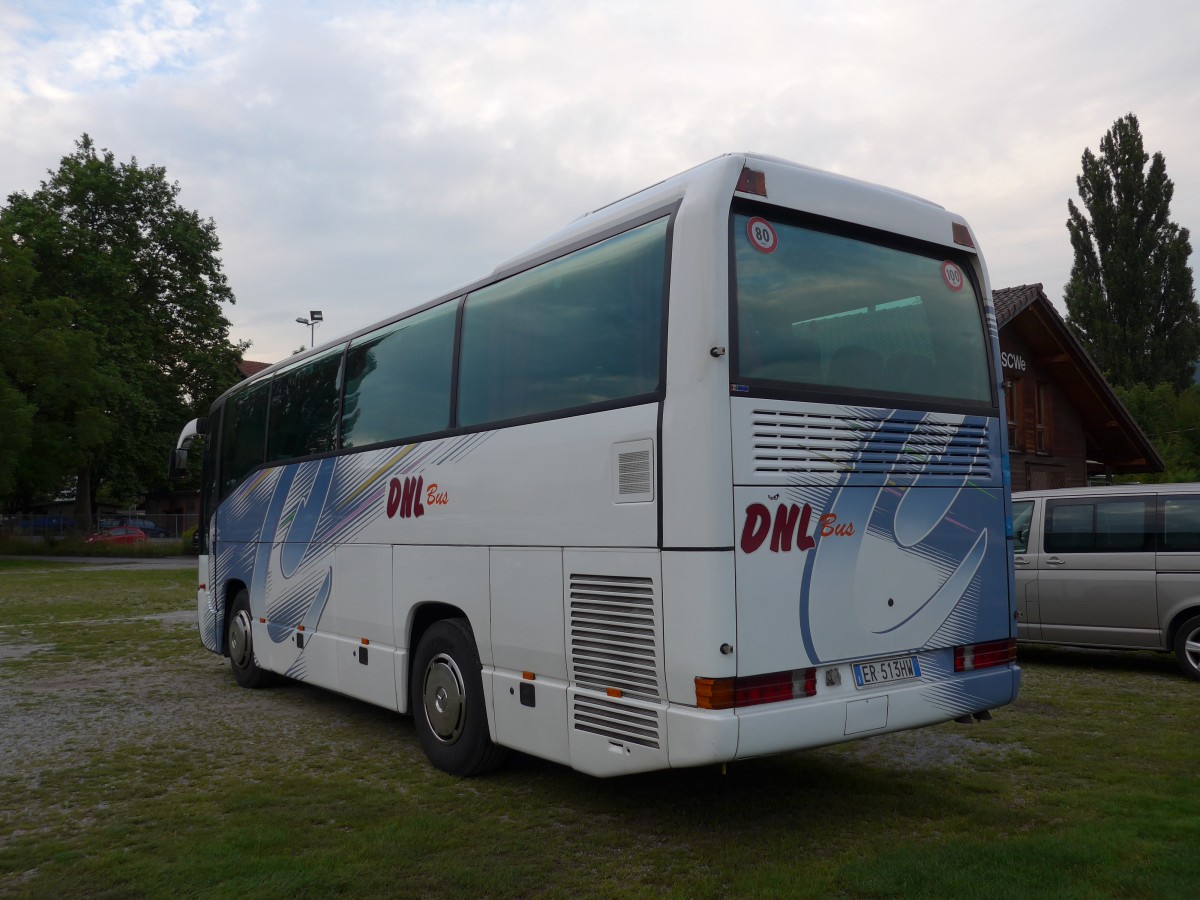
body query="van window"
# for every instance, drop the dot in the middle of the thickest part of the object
(1117, 525)
(1022, 516)
(1181, 524)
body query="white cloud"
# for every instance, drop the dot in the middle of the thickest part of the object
(360, 157)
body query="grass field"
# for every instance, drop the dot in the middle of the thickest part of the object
(132, 765)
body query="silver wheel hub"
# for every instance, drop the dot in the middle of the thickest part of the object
(1191, 647)
(240, 648)
(445, 699)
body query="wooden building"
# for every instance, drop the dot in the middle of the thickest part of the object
(1064, 420)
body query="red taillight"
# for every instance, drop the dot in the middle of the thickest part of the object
(752, 182)
(962, 235)
(970, 657)
(727, 693)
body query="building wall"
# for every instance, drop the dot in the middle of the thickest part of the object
(1047, 446)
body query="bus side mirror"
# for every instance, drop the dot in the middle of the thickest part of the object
(177, 467)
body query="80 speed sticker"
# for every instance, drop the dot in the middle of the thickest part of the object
(762, 235)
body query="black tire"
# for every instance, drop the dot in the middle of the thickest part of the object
(446, 693)
(240, 642)
(1187, 647)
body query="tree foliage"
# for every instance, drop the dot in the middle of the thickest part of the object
(111, 295)
(1130, 298)
(1172, 422)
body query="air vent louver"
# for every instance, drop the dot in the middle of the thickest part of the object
(633, 473)
(633, 468)
(801, 442)
(614, 635)
(617, 721)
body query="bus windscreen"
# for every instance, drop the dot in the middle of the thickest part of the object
(824, 310)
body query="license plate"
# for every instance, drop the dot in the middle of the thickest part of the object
(886, 671)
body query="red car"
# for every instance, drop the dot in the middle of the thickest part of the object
(124, 534)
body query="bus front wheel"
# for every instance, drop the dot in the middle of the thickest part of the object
(447, 701)
(246, 670)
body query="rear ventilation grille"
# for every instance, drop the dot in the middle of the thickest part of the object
(616, 721)
(801, 442)
(614, 635)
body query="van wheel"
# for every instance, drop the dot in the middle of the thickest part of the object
(447, 701)
(1187, 647)
(246, 670)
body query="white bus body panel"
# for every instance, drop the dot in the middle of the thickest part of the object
(594, 613)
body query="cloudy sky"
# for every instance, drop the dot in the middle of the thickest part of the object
(362, 156)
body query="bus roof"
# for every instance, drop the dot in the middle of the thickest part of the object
(789, 184)
(721, 174)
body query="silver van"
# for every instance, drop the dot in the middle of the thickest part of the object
(1111, 567)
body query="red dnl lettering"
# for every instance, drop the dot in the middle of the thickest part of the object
(394, 492)
(785, 524)
(418, 510)
(804, 541)
(789, 521)
(756, 527)
(404, 498)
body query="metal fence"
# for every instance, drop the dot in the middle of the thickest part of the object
(154, 525)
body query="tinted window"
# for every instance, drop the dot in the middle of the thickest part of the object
(580, 330)
(243, 435)
(304, 404)
(1099, 526)
(1022, 517)
(825, 310)
(398, 380)
(1181, 524)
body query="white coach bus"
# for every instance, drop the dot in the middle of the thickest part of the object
(715, 472)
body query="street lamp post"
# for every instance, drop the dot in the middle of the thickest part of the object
(314, 319)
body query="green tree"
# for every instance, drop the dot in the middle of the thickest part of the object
(123, 323)
(16, 413)
(1130, 298)
(1172, 422)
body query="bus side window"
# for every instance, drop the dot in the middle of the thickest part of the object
(573, 332)
(243, 435)
(304, 408)
(398, 379)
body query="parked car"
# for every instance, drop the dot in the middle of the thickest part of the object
(121, 534)
(1115, 567)
(149, 527)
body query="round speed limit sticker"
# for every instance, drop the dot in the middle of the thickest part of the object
(953, 276)
(762, 235)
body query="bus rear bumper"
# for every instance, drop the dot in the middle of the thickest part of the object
(699, 737)
(849, 714)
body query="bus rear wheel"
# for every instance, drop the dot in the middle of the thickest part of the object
(240, 641)
(1187, 647)
(446, 694)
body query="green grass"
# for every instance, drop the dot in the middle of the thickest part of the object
(78, 546)
(132, 765)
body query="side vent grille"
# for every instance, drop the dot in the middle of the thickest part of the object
(633, 473)
(633, 465)
(614, 635)
(786, 442)
(617, 721)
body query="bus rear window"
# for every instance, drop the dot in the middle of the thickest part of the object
(823, 310)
